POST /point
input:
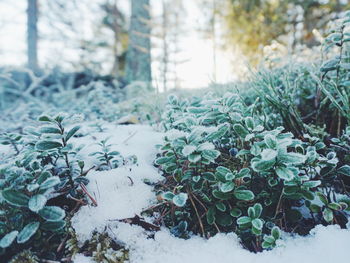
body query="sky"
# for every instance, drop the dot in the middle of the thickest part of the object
(196, 51)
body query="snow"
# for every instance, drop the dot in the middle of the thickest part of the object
(120, 193)
(119, 197)
(323, 245)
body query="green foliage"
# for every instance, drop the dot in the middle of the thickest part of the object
(44, 167)
(103, 249)
(109, 159)
(26, 256)
(227, 168)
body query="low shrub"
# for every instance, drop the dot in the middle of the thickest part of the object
(226, 170)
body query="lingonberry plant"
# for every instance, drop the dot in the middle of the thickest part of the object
(225, 171)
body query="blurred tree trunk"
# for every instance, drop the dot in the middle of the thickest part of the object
(32, 35)
(138, 60)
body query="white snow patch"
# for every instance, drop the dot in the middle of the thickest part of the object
(323, 245)
(80, 258)
(120, 193)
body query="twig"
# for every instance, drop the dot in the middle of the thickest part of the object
(195, 209)
(87, 193)
(127, 139)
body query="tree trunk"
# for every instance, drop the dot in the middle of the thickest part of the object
(138, 60)
(32, 35)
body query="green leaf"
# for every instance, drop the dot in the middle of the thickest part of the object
(211, 155)
(7, 240)
(312, 184)
(284, 173)
(221, 173)
(223, 219)
(244, 172)
(52, 213)
(335, 206)
(270, 141)
(188, 149)
(257, 210)
(230, 176)
(257, 223)
(220, 195)
(162, 160)
(251, 212)
(168, 196)
(180, 199)
(244, 220)
(221, 207)
(328, 215)
(72, 132)
(48, 129)
(345, 170)
(268, 154)
(269, 239)
(262, 165)
(226, 187)
(329, 65)
(315, 208)
(47, 145)
(27, 232)
(276, 232)
(50, 182)
(209, 176)
(15, 198)
(45, 118)
(37, 202)
(235, 212)
(240, 130)
(245, 195)
(211, 215)
(53, 226)
(194, 158)
(197, 110)
(308, 194)
(249, 122)
(322, 197)
(292, 158)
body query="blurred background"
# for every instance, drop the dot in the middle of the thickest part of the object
(173, 44)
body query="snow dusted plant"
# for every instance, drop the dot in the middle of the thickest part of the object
(226, 171)
(45, 167)
(108, 159)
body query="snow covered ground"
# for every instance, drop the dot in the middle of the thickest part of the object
(122, 193)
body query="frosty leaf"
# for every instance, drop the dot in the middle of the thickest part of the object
(27, 232)
(226, 187)
(328, 215)
(345, 170)
(292, 158)
(244, 220)
(270, 141)
(50, 182)
(52, 213)
(47, 145)
(285, 173)
(15, 198)
(211, 155)
(7, 240)
(72, 132)
(268, 154)
(188, 149)
(194, 158)
(245, 195)
(180, 199)
(257, 223)
(240, 130)
(37, 202)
